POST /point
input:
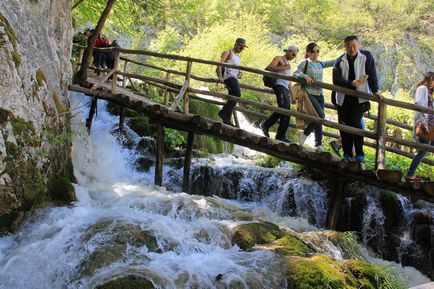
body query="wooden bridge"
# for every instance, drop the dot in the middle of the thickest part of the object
(173, 112)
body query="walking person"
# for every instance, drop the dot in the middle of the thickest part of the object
(230, 76)
(355, 69)
(424, 97)
(281, 65)
(311, 70)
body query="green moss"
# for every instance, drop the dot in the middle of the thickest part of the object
(60, 107)
(20, 127)
(248, 235)
(290, 245)
(40, 77)
(349, 244)
(128, 282)
(16, 58)
(372, 276)
(318, 272)
(9, 31)
(60, 188)
(140, 125)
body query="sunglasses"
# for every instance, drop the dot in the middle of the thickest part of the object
(315, 51)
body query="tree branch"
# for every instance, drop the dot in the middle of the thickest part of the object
(76, 4)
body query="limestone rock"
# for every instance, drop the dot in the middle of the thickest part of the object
(35, 69)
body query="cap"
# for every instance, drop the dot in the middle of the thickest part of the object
(241, 41)
(291, 48)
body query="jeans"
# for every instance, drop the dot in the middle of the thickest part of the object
(234, 90)
(351, 113)
(283, 102)
(419, 157)
(318, 103)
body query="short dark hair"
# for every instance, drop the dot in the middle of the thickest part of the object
(351, 38)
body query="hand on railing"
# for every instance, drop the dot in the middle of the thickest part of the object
(379, 95)
(309, 80)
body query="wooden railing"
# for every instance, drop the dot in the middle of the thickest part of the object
(379, 138)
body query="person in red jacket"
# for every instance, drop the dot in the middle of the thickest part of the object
(100, 56)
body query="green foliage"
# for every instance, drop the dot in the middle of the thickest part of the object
(267, 161)
(174, 138)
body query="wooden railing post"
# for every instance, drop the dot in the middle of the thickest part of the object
(380, 154)
(121, 118)
(187, 78)
(165, 96)
(158, 180)
(124, 79)
(80, 59)
(187, 162)
(115, 67)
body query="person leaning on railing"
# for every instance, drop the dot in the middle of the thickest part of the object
(424, 97)
(311, 70)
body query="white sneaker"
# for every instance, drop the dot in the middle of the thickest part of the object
(302, 138)
(319, 149)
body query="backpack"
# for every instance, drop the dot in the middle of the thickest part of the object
(269, 81)
(224, 68)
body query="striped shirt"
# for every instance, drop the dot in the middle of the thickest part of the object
(314, 70)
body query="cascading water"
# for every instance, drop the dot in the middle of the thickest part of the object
(121, 225)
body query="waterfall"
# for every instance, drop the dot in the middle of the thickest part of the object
(122, 224)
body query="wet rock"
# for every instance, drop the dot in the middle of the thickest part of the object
(146, 146)
(112, 241)
(143, 164)
(60, 188)
(128, 282)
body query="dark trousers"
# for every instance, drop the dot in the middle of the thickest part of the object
(234, 90)
(350, 113)
(283, 102)
(99, 59)
(419, 157)
(318, 103)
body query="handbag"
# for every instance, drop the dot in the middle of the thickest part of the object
(422, 133)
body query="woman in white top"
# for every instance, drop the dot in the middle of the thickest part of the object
(424, 97)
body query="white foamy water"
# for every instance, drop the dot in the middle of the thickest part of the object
(122, 224)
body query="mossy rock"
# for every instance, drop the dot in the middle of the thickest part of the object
(290, 245)
(318, 272)
(248, 235)
(128, 282)
(139, 125)
(372, 276)
(61, 189)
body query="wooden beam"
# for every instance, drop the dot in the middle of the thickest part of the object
(158, 180)
(121, 118)
(180, 96)
(380, 151)
(115, 68)
(187, 162)
(124, 79)
(103, 79)
(92, 111)
(187, 79)
(165, 98)
(336, 200)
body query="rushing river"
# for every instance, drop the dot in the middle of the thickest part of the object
(122, 224)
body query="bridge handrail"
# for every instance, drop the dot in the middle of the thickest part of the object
(379, 135)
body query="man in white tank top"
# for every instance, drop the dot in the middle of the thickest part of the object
(230, 78)
(280, 64)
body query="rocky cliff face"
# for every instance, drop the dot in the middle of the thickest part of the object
(35, 46)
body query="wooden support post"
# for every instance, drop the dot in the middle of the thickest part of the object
(165, 96)
(124, 79)
(187, 162)
(121, 118)
(91, 114)
(158, 180)
(237, 121)
(380, 154)
(187, 78)
(80, 59)
(335, 205)
(115, 67)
